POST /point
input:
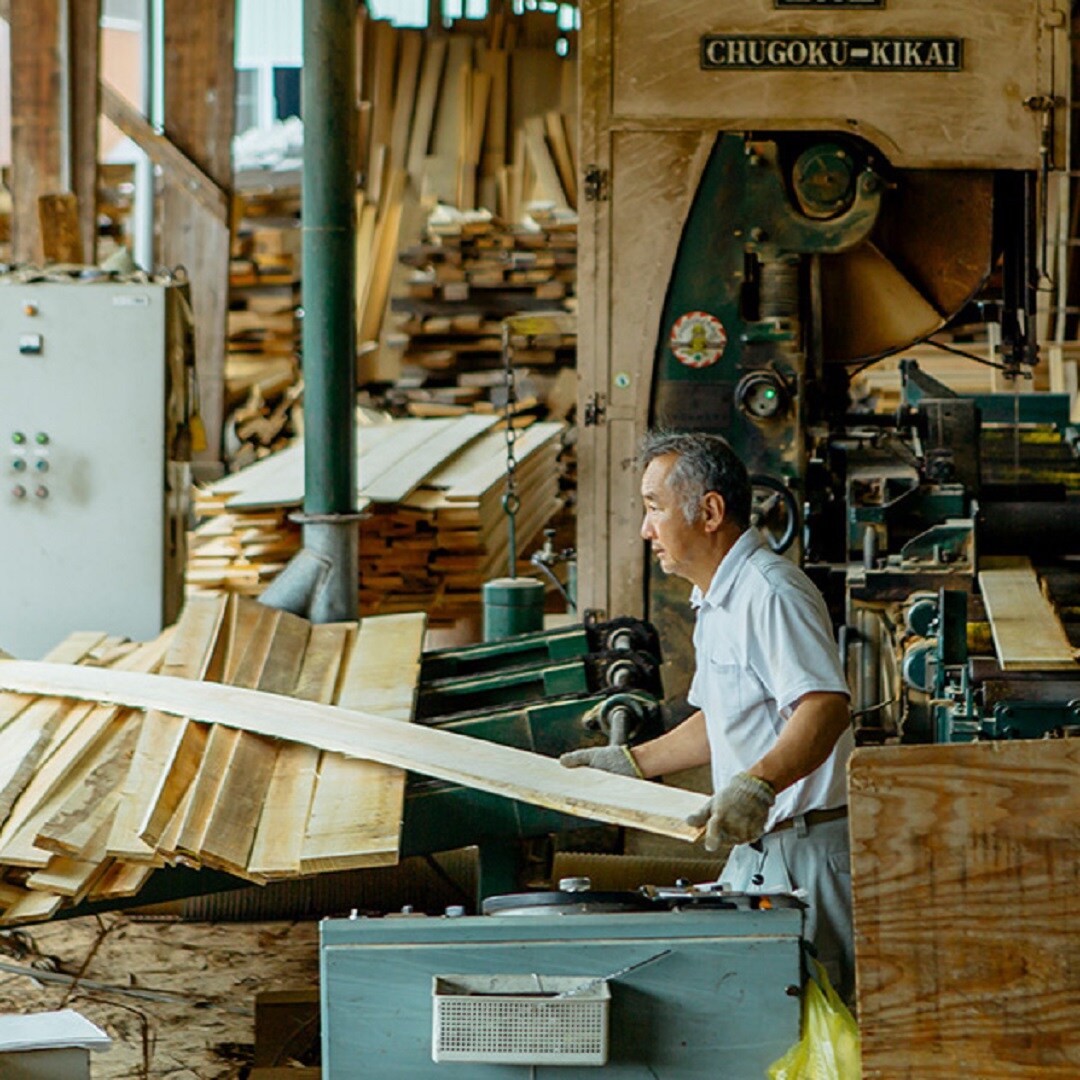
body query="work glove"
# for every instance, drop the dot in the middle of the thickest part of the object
(737, 814)
(612, 759)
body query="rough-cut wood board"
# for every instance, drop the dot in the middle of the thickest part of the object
(459, 759)
(193, 647)
(236, 768)
(966, 874)
(483, 464)
(278, 845)
(547, 175)
(358, 806)
(1028, 635)
(427, 97)
(405, 96)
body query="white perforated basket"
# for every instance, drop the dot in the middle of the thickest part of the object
(519, 1019)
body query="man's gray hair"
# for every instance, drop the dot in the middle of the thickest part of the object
(703, 463)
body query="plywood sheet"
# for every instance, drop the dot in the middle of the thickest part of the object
(966, 874)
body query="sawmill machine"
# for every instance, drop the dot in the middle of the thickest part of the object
(780, 194)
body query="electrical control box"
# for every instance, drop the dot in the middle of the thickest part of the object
(91, 507)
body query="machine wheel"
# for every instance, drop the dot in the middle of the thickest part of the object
(774, 511)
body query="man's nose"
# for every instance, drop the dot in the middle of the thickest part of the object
(646, 528)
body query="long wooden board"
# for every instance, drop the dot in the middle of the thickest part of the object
(966, 864)
(1028, 635)
(501, 770)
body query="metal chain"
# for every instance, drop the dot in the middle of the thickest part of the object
(511, 502)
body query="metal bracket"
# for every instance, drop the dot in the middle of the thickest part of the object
(596, 184)
(595, 410)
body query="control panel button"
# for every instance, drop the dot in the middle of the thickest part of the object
(41, 465)
(41, 439)
(19, 491)
(18, 438)
(31, 344)
(42, 492)
(18, 464)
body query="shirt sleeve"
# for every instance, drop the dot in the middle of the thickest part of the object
(795, 652)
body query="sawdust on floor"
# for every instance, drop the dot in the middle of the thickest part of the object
(178, 999)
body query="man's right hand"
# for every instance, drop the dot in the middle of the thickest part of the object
(612, 759)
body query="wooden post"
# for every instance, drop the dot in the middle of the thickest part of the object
(200, 90)
(55, 52)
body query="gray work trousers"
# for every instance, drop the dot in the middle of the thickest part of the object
(816, 858)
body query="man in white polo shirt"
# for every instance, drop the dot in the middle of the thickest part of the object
(773, 717)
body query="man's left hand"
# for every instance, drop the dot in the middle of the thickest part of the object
(736, 815)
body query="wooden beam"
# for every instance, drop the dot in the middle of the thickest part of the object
(84, 51)
(181, 169)
(39, 150)
(200, 93)
(501, 770)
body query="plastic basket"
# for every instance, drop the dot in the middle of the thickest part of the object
(520, 1020)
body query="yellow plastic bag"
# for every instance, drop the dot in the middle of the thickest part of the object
(829, 1047)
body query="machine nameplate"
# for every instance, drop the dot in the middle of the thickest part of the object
(828, 3)
(745, 52)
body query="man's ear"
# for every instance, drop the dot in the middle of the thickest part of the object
(713, 510)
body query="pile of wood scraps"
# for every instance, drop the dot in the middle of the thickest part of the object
(262, 364)
(434, 530)
(96, 797)
(469, 275)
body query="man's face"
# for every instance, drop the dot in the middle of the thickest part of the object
(672, 539)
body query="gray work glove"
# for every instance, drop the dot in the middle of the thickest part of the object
(612, 759)
(737, 814)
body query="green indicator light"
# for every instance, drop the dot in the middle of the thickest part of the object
(18, 438)
(42, 438)
(770, 393)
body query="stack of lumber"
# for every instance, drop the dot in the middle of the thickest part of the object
(479, 117)
(470, 275)
(434, 530)
(247, 740)
(95, 796)
(261, 366)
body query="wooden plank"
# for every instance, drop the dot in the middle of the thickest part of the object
(58, 219)
(149, 793)
(279, 840)
(964, 870)
(427, 98)
(70, 829)
(385, 41)
(357, 810)
(411, 44)
(560, 151)
(33, 907)
(231, 827)
(547, 176)
(430, 447)
(385, 256)
(184, 172)
(500, 770)
(1028, 635)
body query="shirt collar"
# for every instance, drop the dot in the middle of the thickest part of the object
(728, 570)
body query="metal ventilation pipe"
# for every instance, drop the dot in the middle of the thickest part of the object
(321, 581)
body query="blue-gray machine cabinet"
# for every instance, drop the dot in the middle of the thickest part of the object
(720, 1003)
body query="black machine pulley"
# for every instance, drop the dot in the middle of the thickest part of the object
(624, 634)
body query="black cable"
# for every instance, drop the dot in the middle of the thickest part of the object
(967, 355)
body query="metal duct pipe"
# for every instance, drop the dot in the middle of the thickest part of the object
(321, 582)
